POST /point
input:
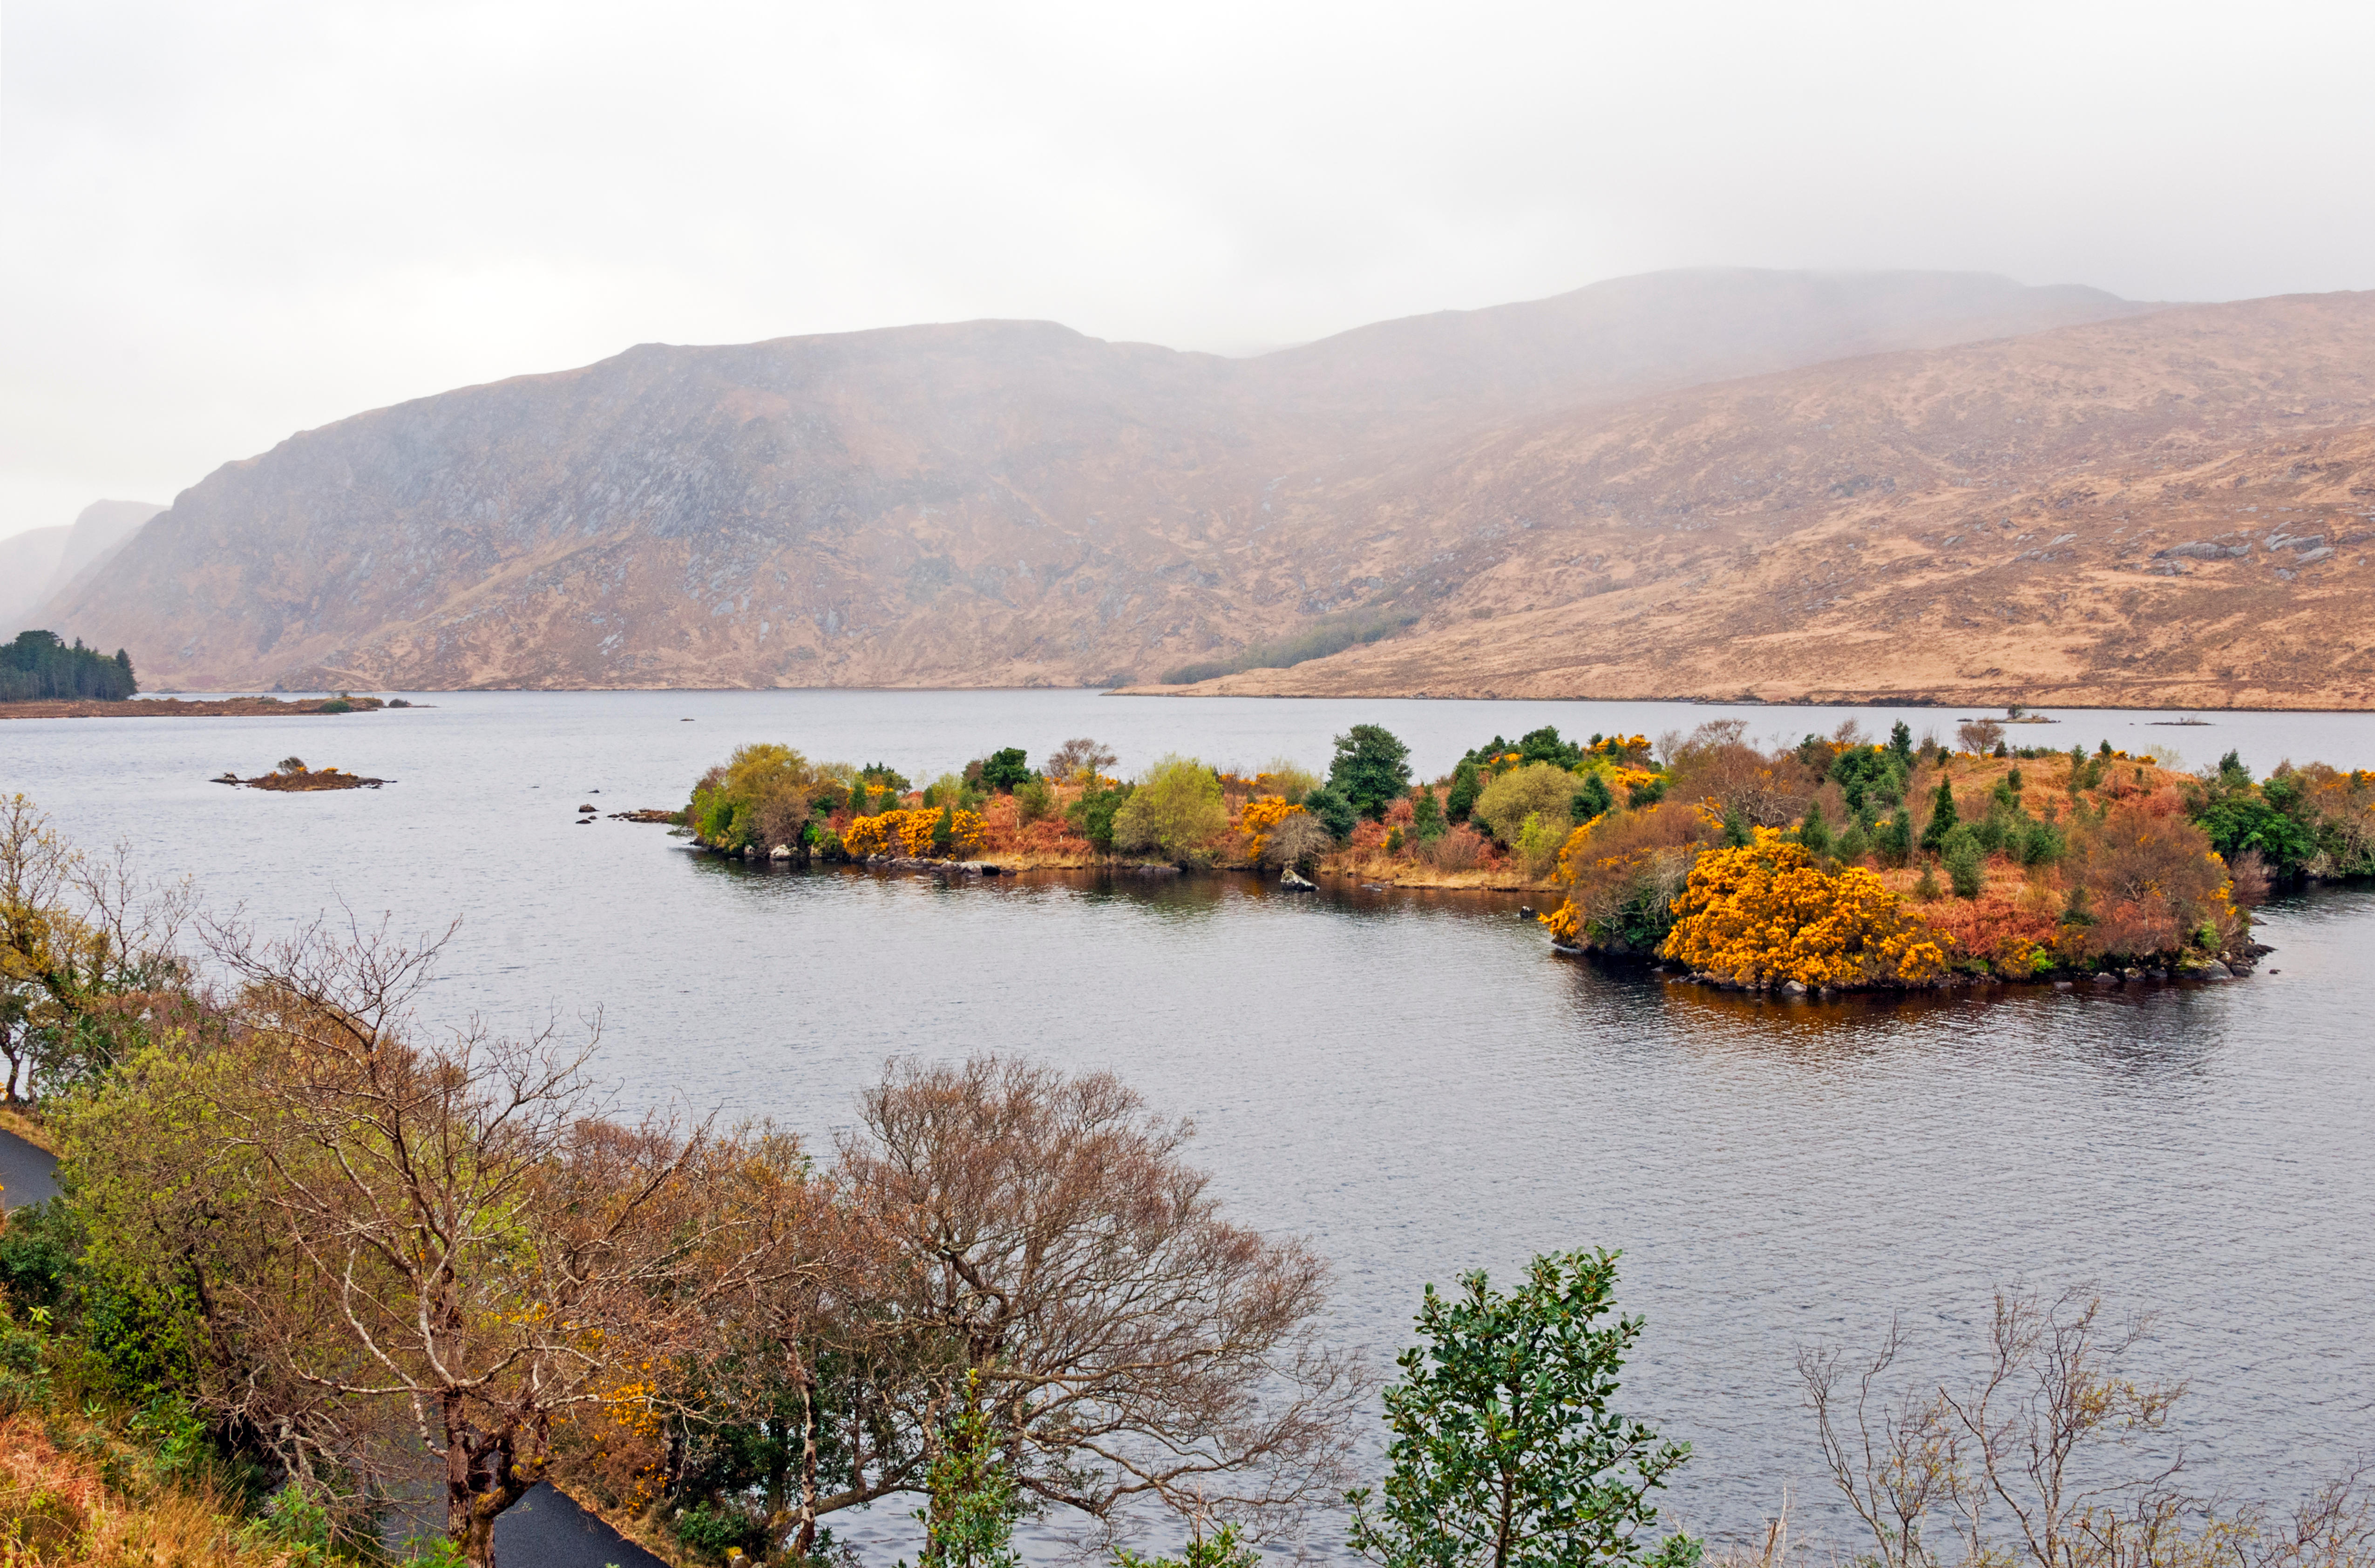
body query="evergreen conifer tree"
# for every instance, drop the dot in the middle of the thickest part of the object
(1426, 815)
(1465, 788)
(1943, 820)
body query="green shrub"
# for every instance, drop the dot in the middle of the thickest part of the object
(1852, 844)
(1539, 838)
(2244, 819)
(1893, 840)
(2042, 844)
(24, 1369)
(1466, 784)
(1942, 816)
(1814, 832)
(1539, 789)
(1035, 801)
(1965, 861)
(1005, 770)
(1334, 812)
(710, 1528)
(1095, 811)
(1175, 812)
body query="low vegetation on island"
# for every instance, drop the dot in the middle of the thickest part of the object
(1840, 863)
(290, 775)
(311, 1258)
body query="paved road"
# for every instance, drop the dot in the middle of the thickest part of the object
(544, 1530)
(30, 1175)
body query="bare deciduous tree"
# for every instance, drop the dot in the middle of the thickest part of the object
(493, 1254)
(1126, 1341)
(1898, 1463)
(1078, 756)
(806, 1321)
(2052, 1392)
(2055, 1436)
(85, 949)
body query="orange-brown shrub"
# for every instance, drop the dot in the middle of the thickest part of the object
(1623, 872)
(1771, 792)
(1460, 849)
(2011, 938)
(2152, 884)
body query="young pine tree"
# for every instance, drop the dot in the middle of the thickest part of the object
(1814, 833)
(1943, 820)
(1965, 860)
(1592, 798)
(1426, 815)
(1465, 788)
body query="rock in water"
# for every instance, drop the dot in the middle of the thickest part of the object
(1294, 882)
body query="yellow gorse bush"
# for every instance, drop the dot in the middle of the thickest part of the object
(1564, 924)
(910, 832)
(1571, 853)
(1768, 913)
(1261, 817)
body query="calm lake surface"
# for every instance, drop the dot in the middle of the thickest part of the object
(1409, 1080)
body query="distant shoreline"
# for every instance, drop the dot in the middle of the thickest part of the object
(175, 708)
(191, 705)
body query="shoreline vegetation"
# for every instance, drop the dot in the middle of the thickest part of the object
(1841, 864)
(312, 1262)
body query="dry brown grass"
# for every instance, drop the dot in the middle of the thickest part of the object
(56, 1510)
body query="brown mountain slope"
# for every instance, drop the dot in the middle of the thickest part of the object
(2173, 510)
(993, 504)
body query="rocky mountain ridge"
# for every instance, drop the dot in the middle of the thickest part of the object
(1011, 503)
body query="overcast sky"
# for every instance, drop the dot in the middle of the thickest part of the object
(227, 222)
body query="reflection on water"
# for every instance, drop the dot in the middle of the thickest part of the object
(1409, 1079)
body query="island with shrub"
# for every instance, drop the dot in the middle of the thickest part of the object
(1842, 863)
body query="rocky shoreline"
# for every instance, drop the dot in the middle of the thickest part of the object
(2238, 965)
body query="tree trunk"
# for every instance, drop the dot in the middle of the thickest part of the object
(804, 1543)
(484, 1476)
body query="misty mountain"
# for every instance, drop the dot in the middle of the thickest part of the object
(40, 563)
(2174, 509)
(983, 504)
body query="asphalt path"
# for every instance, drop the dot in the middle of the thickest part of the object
(28, 1175)
(544, 1530)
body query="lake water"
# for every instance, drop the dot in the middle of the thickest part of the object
(1410, 1081)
